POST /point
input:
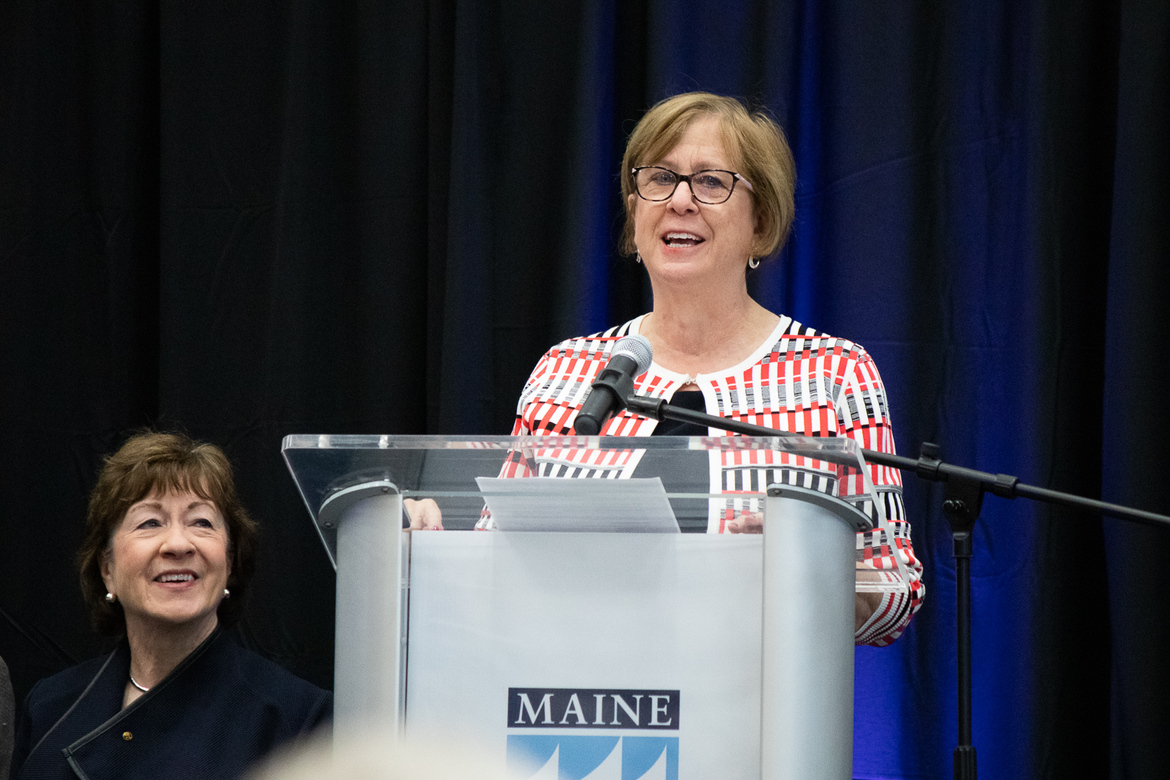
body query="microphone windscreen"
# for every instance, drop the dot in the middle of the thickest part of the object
(636, 347)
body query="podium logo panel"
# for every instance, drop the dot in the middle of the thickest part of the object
(578, 757)
(592, 708)
(570, 755)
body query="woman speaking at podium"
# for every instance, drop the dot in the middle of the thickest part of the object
(709, 191)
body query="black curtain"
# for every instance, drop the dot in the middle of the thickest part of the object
(253, 219)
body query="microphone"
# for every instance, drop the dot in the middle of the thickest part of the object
(630, 358)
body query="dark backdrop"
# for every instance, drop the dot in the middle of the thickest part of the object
(251, 219)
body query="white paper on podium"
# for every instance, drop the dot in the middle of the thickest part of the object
(579, 505)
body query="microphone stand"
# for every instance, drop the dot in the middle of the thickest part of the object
(962, 500)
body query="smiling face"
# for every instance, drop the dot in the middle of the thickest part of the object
(682, 239)
(167, 563)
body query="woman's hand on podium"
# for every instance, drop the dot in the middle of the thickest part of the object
(424, 514)
(747, 524)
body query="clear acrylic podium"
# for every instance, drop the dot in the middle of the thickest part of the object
(686, 655)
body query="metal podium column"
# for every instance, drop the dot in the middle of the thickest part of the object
(369, 679)
(806, 724)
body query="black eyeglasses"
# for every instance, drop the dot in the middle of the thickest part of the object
(712, 187)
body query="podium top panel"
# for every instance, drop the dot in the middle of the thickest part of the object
(704, 477)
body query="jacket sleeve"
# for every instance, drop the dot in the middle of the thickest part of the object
(7, 707)
(523, 423)
(863, 415)
(22, 734)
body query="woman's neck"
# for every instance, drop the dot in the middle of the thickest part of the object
(699, 334)
(155, 651)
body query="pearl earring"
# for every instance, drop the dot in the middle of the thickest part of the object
(226, 593)
(109, 597)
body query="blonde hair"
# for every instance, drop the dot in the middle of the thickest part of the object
(755, 143)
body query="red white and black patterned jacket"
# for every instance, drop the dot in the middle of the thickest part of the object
(798, 380)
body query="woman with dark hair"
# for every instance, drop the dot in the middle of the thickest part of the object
(166, 560)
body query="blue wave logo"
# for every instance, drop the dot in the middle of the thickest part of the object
(550, 757)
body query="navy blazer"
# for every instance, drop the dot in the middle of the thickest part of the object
(220, 710)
